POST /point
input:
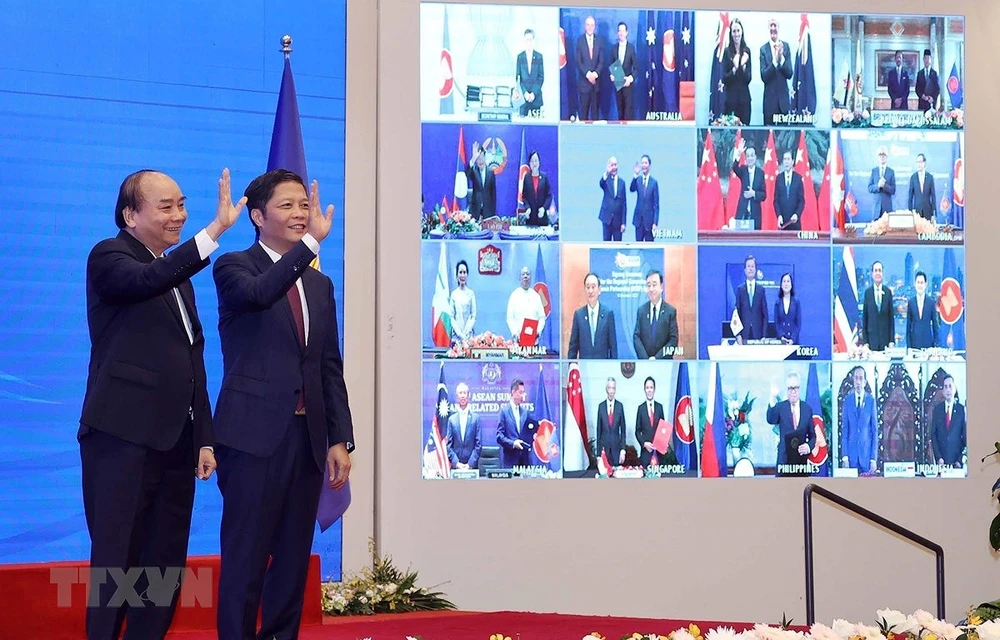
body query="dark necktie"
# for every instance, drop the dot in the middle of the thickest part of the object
(295, 302)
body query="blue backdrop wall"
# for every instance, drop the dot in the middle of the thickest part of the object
(88, 95)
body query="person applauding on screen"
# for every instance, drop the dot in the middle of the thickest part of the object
(787, 312)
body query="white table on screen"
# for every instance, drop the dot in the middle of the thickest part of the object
(763, 352)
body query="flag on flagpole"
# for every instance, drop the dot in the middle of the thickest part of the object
(810, 219)
(768, 217)
(833, 183)
(668, 63)
(523, 170)
(711, 209)
(685, 447)
(575, 440)
(563, 79)
(458, 202)
(955, 93)
(447, 70)
(845, 306)
(820, 454)
(651, 33)
(545, 449)
(436, 463)
(804, 80)
(958, 186)
(713, 439)
(951, 304)
(716, 90)
(441, 304)
(735, 185)
(545, 339)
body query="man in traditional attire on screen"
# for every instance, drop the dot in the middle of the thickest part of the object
(898, 84)
(927, 87)
(524, 302)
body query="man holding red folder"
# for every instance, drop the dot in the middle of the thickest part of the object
(647, 426)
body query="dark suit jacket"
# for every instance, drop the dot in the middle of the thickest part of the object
(899, 87)
(877, 325)
(923, 202)
(788, 325)
(927, 84)
(465, 451)
(948, 443)
(644, 431)
(605, 343)
(921, 332)
(531, 82)
(753, 313)
(612, 206)
(509, 430)
(736, 80)
(781, 415)
(647, 203)
(585, 63)
(145, 375)
(537, 202)
(611, 437)
(883, 195)
(264, 366)
(628, 65)
(657, 340)
(789, 200)
(775, 81)
(749, 208)
(483, 202)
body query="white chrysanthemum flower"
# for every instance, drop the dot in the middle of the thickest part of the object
(989, 630)
(924, 618)
(844, 629)
(682, 634)
(870, 633)
(721, 633)
(823, 632)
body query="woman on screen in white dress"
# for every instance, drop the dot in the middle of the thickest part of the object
(463, 304)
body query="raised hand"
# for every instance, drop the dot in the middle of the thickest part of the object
(226, 213)
(319, 223)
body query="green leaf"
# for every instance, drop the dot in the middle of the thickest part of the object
(995, 533)
(997, 445)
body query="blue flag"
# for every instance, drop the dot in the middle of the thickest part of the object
(713, 436)
(804, 80)
(685, 54)
(545, 449)
(668, 62)
(651, 80)
(685, 446)
(955, 87)
(820, 456)
(447, 71)
(716, 95)
(286, 138)
(951, 335)
(541, 286)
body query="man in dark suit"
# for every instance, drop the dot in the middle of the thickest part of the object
(921, 316)
(611, 427)
(530, 76)
(613, 203)
(146, 423)
(282, 416)
(593, 334)
(752, 191)
(789, 195)
(882, 183)
(751, 304)
(647, 417)
(948, 427)
(794, 420)
(655, 335)
(775, 72)
(898, 84)
(927, 86)
(859, 427)
(921, 197)
(590, 64)
(646, 216)
(464, 434)
(513, 426)
(624, 52)
(483, 203)
(877, 324)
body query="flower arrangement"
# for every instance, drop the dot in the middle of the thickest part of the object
(851, 118)
(461, 222)
(444, 220)
(485, 340)
(881, 226)
(727, 120)
(953, 119)
(383, 588)
(738, 432)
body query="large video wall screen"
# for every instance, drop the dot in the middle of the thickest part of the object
(661, 244)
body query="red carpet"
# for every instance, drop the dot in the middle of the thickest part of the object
(456, 625)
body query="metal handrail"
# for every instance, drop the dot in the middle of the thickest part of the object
(872, 517)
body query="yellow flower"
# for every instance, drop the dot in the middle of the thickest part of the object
(930, 636)
(694, 630)
(637, 635)
(975, 620)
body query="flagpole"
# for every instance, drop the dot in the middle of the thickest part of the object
(286, 45)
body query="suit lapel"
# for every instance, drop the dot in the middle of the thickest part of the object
(312, 285)
(145, 256)
(263, 262)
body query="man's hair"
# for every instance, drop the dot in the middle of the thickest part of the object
(748, 259)
(527, 31)
(517, 382)
(948, 377)
(656, 273)
(130, 195)
(879, 263)
(260, 190)
(864, 373)
(611, 379)
(789, 152)
(649, 379)
(648, 159)
(793, 375)
(899, 52)
(596, 277)
(922, 157)
(622, 24)
(918, 275)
